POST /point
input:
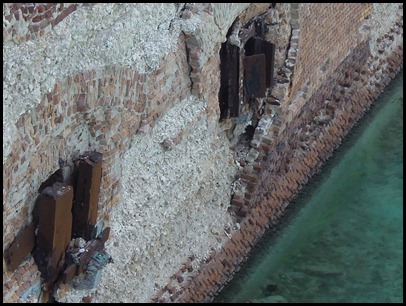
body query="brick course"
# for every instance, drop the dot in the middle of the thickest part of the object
(103, 109)
(345, 88)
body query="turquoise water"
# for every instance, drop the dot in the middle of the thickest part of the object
(342, 238)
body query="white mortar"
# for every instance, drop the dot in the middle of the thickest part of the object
(174, 205)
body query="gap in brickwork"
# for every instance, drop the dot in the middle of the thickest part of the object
(242, 147)
(244, 64)
(64, 238)
(248, 101)
(57, 176)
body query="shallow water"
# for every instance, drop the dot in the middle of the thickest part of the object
(342, 238)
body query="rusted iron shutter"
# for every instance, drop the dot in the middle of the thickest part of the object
(269, 50)
(255, 75)
(229, 98)
(223, 94)
(259, 46)
(89, 168)
(255, 46)
(233, 97)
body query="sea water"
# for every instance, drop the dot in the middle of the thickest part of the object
(341, 239)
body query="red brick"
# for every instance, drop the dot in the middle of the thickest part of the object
(17, 15)
(40, 8)
(37, 18)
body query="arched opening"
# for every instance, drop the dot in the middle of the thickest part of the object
(247, 63)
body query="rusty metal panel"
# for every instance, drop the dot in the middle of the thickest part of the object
(234, 77)
(21, 247)
(254, 46)
(257, 46)
(91, 248)
(89, 172)
(255, 76)
(81, 256)
(229, 93)
(223, 93)
(270, 62)
(54, 229)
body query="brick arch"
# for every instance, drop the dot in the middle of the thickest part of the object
(281, 22)
(92, 110)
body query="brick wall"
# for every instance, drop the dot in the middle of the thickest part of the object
(283, 172)
(294, 149)
(327, 78)
(328, 33)
(26, 21)
(104, 107)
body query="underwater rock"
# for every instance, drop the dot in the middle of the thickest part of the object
(271, 288)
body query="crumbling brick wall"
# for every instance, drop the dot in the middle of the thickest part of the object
(106, 105)
(134, 69)
(105, 111)
(27, 21)
(302, 136)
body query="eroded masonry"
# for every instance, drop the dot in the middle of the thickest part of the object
(147, 147)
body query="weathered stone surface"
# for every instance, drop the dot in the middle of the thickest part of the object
(131, 62)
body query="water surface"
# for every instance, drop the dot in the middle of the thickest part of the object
(342, 238)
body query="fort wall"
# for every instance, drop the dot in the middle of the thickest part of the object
(184, 194)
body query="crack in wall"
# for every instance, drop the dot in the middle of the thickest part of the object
(188, 61)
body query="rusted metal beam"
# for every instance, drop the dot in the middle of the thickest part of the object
(254, 76)
(229, 93)
(223, 93)
(257, 46)
(94, 246)
(233, 96)
(21, 247)
(89, 172)
(54, 229)
(81, 256)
